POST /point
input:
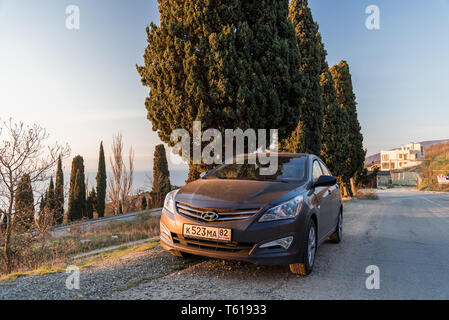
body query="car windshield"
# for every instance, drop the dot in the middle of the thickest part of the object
(289, 170)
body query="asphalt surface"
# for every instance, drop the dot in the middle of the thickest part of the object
(405, 234)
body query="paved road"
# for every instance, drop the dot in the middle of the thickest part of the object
(405, 233)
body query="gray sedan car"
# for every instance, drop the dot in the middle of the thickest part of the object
(234, 212)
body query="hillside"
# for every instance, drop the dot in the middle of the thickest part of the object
(426, 144)
(439, 153)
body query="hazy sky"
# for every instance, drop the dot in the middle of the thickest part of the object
(83, 86)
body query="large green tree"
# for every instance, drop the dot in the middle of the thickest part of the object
(101, 183)
(229, 63)
(347, 100)
(335, 145)
(307, 136)
(24, 203)
(77, 191)
(59, 193)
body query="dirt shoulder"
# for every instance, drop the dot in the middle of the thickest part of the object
(101, 277)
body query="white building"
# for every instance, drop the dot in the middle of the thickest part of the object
(409, 155)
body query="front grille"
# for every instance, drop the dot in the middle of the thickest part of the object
(223, 214)
(212, 245)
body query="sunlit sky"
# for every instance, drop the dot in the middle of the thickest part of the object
(83, 86)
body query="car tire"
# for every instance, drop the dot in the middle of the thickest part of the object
(337, 236)
(310, 245)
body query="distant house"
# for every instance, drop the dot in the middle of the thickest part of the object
(372, 166)
(409, 155)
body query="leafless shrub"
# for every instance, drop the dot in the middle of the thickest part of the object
(22, 152)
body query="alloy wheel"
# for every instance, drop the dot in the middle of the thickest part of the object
(311, 246)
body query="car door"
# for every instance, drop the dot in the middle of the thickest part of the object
(322, 201)
(333, 194)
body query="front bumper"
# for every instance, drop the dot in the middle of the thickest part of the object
(246, 239)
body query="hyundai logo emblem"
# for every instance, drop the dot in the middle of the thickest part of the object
(210, 216)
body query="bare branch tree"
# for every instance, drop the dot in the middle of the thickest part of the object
(121, 182)
(116, 161)
(127, 181)
(22, 152)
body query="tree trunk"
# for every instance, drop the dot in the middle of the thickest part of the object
(6, 249)
(353, 187)
(345, 190)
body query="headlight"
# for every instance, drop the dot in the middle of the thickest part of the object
(169, 203)
(287, 210)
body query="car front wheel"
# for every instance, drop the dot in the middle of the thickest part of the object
(338, 234)
(310, 245)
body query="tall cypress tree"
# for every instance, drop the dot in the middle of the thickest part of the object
(91, 204)
(307, 136)
(59, 194)
(161, 176)
(143, 204)
(50, 203)
(101, 183)
(77, 191)
(335, 146)
(231, 64)
(347, 100)
(42, 203)
(24, 203)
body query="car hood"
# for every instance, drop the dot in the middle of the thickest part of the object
(233, 194)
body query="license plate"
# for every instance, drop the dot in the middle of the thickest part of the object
(209, 233)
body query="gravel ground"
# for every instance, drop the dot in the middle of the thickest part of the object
(103, 281)
(404, 233)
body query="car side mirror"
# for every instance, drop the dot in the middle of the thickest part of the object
(203, 174)
(325, 181)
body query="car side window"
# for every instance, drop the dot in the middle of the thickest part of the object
(317, 172)
(326, 171)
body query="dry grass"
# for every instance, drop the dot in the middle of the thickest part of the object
(43, 270)
(92, 261)
(438, 150)
(54, 253)
(367, 195)
(113, 233)
(440, 165)
(116, 254)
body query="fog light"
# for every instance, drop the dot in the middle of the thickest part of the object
(164, 232)
(284, 243)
